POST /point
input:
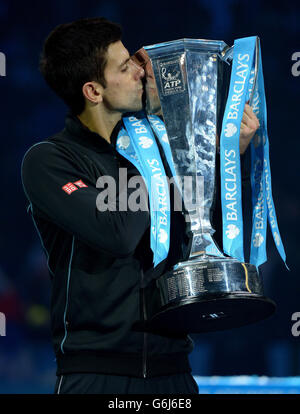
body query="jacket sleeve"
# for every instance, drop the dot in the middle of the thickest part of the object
(48, 177)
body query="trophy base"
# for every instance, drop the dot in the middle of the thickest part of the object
(207, 296)
(215, 314)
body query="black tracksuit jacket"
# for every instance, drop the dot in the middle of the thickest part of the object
(97, 260)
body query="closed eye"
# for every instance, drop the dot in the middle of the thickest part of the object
(124, 65)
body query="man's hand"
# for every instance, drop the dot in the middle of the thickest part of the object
(249, 126)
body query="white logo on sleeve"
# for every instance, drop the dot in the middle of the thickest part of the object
(145, 142)
(230, 130)
(232, 231)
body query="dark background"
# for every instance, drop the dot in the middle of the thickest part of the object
(30, 112)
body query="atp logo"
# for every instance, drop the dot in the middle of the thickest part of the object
(230, 129)
(123, 142)
(171, 76)
(145, 142)
(258, 240)
(162, 236)
(232, 231)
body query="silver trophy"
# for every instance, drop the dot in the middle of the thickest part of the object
(187, 82)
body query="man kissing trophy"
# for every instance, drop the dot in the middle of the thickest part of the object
(200, 88)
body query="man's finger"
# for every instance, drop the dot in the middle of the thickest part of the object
(249, 122)
(246, 117)
(249, 116)
(248, 109)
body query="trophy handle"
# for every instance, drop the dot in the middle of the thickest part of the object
(227, 56)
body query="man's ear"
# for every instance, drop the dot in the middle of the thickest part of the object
(92, 91)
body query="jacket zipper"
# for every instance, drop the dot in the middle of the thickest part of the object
(145, 334)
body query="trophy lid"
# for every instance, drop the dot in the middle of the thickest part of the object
(180, 45)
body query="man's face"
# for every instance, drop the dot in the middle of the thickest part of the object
(152, 99)
(124, 88)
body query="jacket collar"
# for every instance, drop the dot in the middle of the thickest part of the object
(80, 133)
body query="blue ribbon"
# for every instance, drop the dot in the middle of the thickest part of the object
(241, 84)
(231, 194)
(138, 144)
(160, 131)
(262, 199)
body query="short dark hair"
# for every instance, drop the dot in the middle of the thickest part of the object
(75, 53)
